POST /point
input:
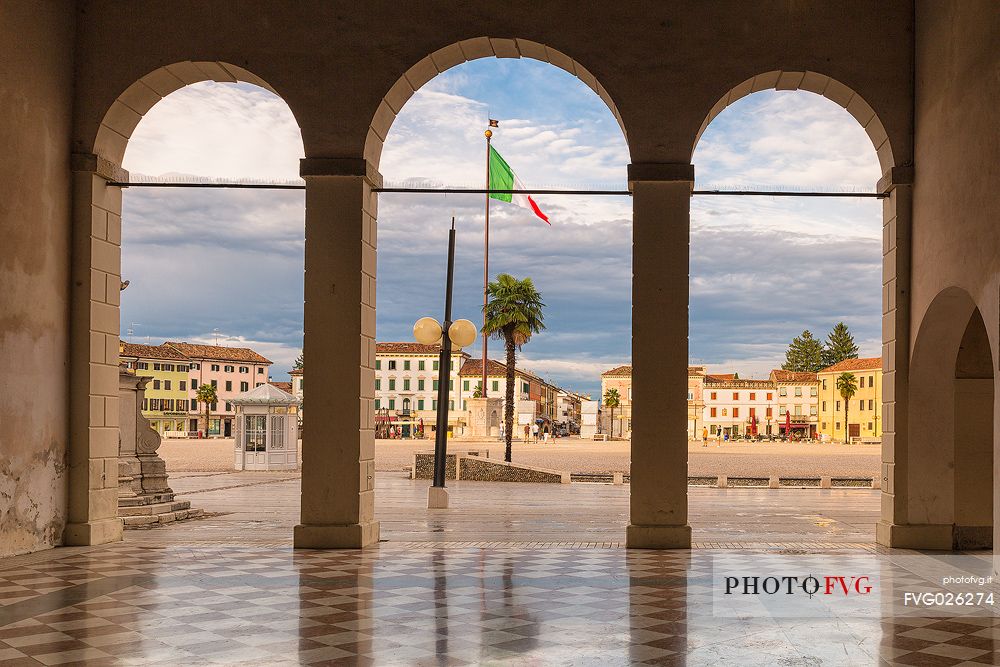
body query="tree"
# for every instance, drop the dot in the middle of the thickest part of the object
(299, 363)
(847, 385)
(513, 314)
(206, 394)
(839, 346)
(612, 400)
(804, 354)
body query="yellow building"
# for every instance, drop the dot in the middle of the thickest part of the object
(166, 402)
(864, 409)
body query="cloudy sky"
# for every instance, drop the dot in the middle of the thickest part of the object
(209, 265)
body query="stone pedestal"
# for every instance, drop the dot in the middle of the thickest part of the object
(485, 417)
(144, 498)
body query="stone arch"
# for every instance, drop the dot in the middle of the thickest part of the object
(128, 109)
(949, 472)
(460, 52)
(819, 84)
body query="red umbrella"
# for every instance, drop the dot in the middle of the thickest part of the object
(788, 423)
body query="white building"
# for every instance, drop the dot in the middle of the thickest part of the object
(735, 407)
(798, 402)
(406, 386)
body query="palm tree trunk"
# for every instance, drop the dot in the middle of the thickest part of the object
(847, 421)
(611, 426)
(508, 411)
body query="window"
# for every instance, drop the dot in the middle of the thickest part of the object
(392, 403)
(215, 367)
(392, 384)
(782, 391)
(436, 365)
(869, 426)
(690, 395)
(798, 410)
(244, 386)
(406, 404)
(798, 391)
(215, 383)
(769, 413)
(195, 367)
(736, 395)
(496, 386)
(229, 385)
(230, 369)
(378, 384)
(753, 413)
(782, 410)
(838, 405)
(824, 406)
(525, 387)
(861, 382)
(168, 367)
(142, 365)
(244, 369)
(713, 396)
(156, 367)
(259, 384)
(736, 413)
(824, 385)
(836, 426)
(194, 383)
(435, 387)
(465, 385)
(871, 380)
(229, 406)
(406, 365)
(812, 391)
(753, 396)
(770, 396)
(451, 405)
(420, 385)
(378, 364)
(420, 404)
(166, 385)
(465, 404)
(378, 404)
(823, 425)
(406, 384)
(301, 382)
(183, 385)
(392, 364)
(215, 407)
(870, 404)
(420, 365)
(812, 410)
(712, 412)
(434, 404)
(156, 384)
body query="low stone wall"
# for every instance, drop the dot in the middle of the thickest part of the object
(474, 468)
(423, 463)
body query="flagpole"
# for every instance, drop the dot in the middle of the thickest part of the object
(486, 258)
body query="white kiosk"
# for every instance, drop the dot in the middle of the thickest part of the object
(266, 429)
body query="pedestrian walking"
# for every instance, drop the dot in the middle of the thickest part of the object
(534, 432)
(527, 433)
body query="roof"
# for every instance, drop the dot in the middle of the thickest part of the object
(296, 371)
(283, 386)
(266, 394)
(739, 384)
(411, 348)
(618, 372)
(474, 368)
(149, 351)
(780, 375)
(720, 377)
(218, 352)
(864, 364)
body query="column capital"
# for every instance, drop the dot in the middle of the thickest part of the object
(895, 176)
(676, 172)
(99, 166)
(341, 166)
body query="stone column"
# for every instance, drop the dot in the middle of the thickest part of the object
(96, 287)
(338, 448)
(661, 198)
(897, 215)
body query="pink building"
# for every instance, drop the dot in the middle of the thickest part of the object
(232, 370)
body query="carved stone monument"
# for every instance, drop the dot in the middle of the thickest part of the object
(485, 416)
(144, 499)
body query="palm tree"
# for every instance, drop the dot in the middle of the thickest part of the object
(206, 394)
(513, 314)
(847, 385)
(612, 399)
(478, 391)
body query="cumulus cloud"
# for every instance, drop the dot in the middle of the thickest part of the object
(761, 270)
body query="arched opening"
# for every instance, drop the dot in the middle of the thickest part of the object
(949, 473)
(437, 139)
(769, 272)
(205, 269)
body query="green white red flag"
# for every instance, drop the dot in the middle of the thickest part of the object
(502, 177)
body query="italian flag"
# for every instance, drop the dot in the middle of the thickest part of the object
(502, 177)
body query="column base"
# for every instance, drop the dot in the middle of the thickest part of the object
(437, 498)
(936, 536)
(88, 534)
(658, 537)
(328, 536)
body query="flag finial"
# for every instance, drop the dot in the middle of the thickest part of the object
(488, 133)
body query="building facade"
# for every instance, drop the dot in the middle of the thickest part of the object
(798, 403)
(529, 387)
(620, 379)
(738, 408)
(859, 418)
(166, 399)
(406, 386)
(232, 371)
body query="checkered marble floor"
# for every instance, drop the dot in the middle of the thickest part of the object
(142, 604)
